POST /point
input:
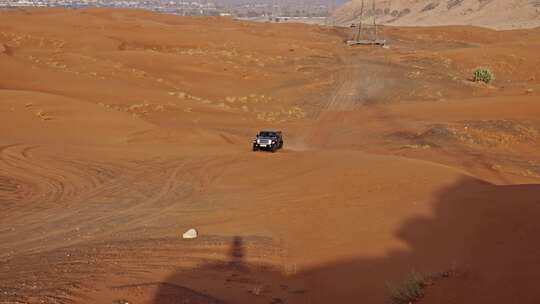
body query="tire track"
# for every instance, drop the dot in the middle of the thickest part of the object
(44, 181)
(74, 202)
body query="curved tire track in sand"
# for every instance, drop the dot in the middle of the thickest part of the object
(80, 205)
(44, 180)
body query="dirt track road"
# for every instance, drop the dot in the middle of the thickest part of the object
(361, 82)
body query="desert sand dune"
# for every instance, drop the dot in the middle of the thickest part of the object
(121, 129)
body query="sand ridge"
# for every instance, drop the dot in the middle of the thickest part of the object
(496, 14)
(121, 129)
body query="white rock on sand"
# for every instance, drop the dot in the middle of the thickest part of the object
(190, 234)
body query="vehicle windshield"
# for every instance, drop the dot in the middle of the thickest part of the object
(267, 134)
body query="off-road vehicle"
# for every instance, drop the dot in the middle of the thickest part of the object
(270, 140)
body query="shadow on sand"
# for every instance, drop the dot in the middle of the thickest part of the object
(488, 235)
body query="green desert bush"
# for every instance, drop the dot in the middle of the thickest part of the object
(410, 290)
(483, 74)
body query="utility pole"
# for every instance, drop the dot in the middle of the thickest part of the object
(359, 32)
(330, 5)
(374, 20)
(366, 35)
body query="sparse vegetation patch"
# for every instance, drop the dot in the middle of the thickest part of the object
(42, 115)
(430, 6)
(411, 289)
(483, 75)
(487, 133)
(453, 3)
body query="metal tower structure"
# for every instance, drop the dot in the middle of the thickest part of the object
(366, 32)
(330, 5)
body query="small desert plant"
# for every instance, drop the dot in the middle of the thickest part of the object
(410, 290)
(483, 74)
(44, 116)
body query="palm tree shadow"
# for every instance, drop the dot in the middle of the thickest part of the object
(487, 235)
